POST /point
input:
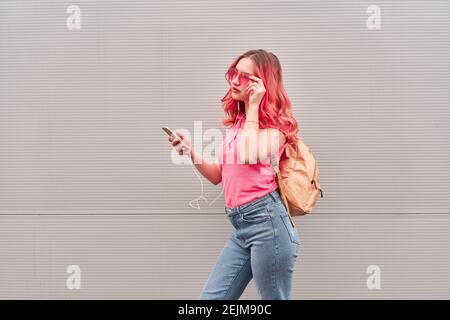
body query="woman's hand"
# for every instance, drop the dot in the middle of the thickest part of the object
(256, 90)
(182, 150)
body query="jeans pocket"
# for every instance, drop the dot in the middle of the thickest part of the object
(291, 230)
(256, 215)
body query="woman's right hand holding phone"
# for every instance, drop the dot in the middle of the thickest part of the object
(211, 171)
(181, 149)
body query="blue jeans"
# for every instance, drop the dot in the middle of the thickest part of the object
(263, 245)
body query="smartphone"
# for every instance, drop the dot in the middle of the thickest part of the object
(172, 133)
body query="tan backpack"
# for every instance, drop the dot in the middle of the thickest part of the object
(298, 179)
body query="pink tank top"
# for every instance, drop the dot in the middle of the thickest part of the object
(243, 183)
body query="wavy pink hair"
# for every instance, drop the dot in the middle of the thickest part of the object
(275, 110)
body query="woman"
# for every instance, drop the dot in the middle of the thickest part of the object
(264, 243)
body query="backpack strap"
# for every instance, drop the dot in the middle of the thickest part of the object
(275, 159)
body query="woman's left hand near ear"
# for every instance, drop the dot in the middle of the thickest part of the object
(256, 90)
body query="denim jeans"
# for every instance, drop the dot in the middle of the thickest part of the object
(263, 245)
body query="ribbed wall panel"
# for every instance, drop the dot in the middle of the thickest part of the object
(170, 257)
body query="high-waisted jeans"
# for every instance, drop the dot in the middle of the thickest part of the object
(263, 245)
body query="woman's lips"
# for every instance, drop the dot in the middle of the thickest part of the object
(235, 90)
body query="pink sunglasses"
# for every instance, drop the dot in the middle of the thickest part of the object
(232, 72)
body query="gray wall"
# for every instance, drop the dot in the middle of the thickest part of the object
(87, 177)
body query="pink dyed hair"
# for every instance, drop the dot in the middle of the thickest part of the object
(275, 110)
